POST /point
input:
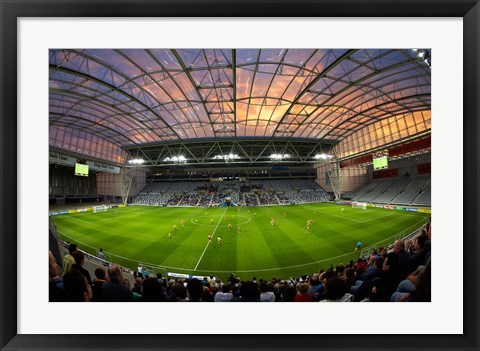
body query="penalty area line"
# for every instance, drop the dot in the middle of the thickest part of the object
(208, 243)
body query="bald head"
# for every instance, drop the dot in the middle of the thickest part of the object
(398, 246)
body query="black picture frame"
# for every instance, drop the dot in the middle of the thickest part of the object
(11, 10)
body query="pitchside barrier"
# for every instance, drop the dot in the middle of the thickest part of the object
(389, 242)
(388, 207)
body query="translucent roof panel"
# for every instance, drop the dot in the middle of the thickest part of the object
(134, 97)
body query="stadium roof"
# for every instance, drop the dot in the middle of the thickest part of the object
(160, 103)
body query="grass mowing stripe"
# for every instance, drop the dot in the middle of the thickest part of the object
(213, 234)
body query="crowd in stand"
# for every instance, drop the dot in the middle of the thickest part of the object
(253, 193)
(402, 274)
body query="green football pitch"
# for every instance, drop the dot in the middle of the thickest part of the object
(140, 234)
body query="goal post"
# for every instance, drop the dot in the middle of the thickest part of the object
(357, 204)
(101, 208)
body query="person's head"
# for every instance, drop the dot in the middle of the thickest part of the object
(100, 274)
(206, 296)
(115, 273)
(334, 289)
(302, 288)
(249, 290)
(390, 264)
(398, 246)
(152, 290)
(350, 273)
(79, 257)
(263, 287)
(77, 288)
(327, 276)
(420, 242)
(289, 293)
(313, 280)
(195, 289)
(178, 289)
(72, 248)
(52, 265)
(138, 282)
(379, 264)
(225, 288)
(101, 250)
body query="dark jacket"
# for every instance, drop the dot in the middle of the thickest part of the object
(116, 292)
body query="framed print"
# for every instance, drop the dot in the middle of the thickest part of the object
(32, 30)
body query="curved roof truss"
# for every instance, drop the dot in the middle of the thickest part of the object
(178, 99)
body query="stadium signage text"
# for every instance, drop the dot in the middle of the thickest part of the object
(61, 159)
(97, 166)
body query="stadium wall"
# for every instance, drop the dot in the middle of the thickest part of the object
(64, 184)
(412, 166)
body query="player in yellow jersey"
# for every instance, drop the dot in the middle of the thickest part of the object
(229, 227)
(219, 240)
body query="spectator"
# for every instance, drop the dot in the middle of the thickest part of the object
(180, 292)
(207, 296)
(77, 288)
(314, 285)
(303, 295)
(56, 288)
(423, 291)
(101, 254)
(195, 290)
(79, 257)
(289, 293)
(403, 258)
(68, 260)
(265, 294)
(160, 279)
(358, 290)
(113, 290)
(324, 277)
(100, 278)
(232, 279)
(360, 264)
(417, 286)
(350, 278)
(153, 291)
(225, 295)
(135, 297)
(248, 292)
(386, 285)
(137, 286)
(341, 272)
(335, 291)
(418, 258)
